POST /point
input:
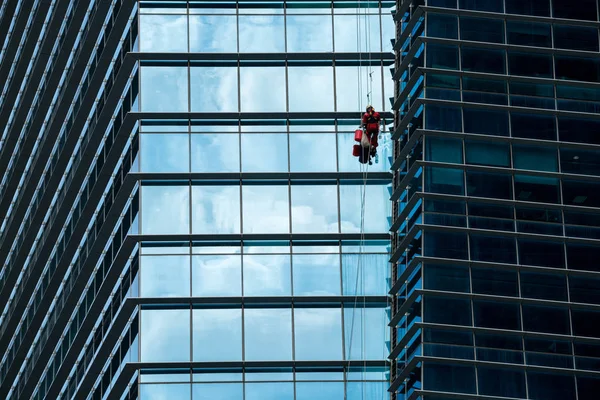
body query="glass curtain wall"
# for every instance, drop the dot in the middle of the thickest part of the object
(254, 278)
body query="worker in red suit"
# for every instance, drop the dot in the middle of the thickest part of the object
(370, 122)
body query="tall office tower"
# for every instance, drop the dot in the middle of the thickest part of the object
(496, 190)
(182, 216)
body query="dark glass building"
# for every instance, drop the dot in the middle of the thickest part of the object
(180, 210)
(496, 280)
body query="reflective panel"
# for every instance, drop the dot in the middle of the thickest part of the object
(165, 335)
(164, 276)
(164, 89)
(216, 275)
(317, 333)
(267, 336)
(258, 199)
(159, 215)
(217, 335)
(215, 209)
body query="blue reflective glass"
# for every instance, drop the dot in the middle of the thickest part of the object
(165, 335)
(164, 276)
(478, 59)
(481, 29)
(440, 149)
(152, 391)
(529, 33)
(449, 378)
(487, 153)
(442, 25)
(317, 333)
(442, 56)
(217, 391)
(535, 158)
(528, 7)
(165, 152)
(217, 335)
(320, 391)
(269, 391)
(486, 122)
(267, 334)
(576, 37)
(316, 275)
(442, 118)
(444, 180)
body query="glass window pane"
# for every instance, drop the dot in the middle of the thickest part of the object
(487, 153)
(345, 27)
(442, 56)
(369, 333)
(494, 315)
(217, 335)
(164, 89)
(163, 33)
(165, 209)
(542, 254)
(217, 391)
(445, 310)
(164, 276)
(528, 7)
(546, 319)
(575, 37)
(215, 209)
(444, 180)
(482, 29)
(439, 118)
(449, 378)
(270, 391)
(493, 249)
(585, 10)
(152, 391)
(501, 382)
(261, 34)
(495, 281)
(267, 275)
(213, 33)
(377, 207)
(485, 122)
(266, 152)
(216, 275)
(449, 278)
(257, 200)
(309, 33)
(165, 335)
(313, 152)
(320, 391)
(312, 89)
(529, 33)
(316, 275)
(372, 284)
(215, 152)
(268, 335)
(263, 88)
(584, 289)
(318, 333)
(535, 158)
(314, 209)
(347, 81)
(486, 184)
(214, 89)
(550, 387)
(529, 126)
(165, 152)
(543, 286)
(483, 60)
(442, 25)
(441, 149)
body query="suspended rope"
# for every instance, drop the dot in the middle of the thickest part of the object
(360, 273)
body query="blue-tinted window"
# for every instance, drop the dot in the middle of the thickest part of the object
(442, 56)
(577, 68)
(485, 122)
(445, 245)
(586, 323)
(535, 158)
(543, 286)
(541, 254)
(587, 388)
(538, 220)
(444, 180)
(487, 153)
(546, 319)
(530, 64)
(446, 310)
(442, 118)
(442, 25)
(482, 29)
(491, 216)
(484, 91)
(550, 387)
(483, 60)
(537, 188)
(495, 281)
(442, 3)
(531, 126)
(528, 7)
(501, 382)
(579, 161)
(579, 130)
(450, 278)
(449, 378)
(489, 314)
(493, 249)
(575, 37)
(442, 149)
(488, 184)
(582, 257)
(584, 289)
(529, 33)
(532, 95)
(581, 193)
(481, 5)
(585, 10)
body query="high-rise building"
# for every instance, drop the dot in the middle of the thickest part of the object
(182, 215)
(496, 200)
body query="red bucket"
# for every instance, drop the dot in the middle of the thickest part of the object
(356, 150)
(358, 135)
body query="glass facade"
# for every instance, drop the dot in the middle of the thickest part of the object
(495, 200)
(181, 209)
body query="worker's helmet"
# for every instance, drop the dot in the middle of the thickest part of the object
(370, 107)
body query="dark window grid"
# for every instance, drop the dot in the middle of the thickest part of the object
(512, 333)
(511, 17)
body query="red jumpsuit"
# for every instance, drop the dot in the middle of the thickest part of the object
(371, 123)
